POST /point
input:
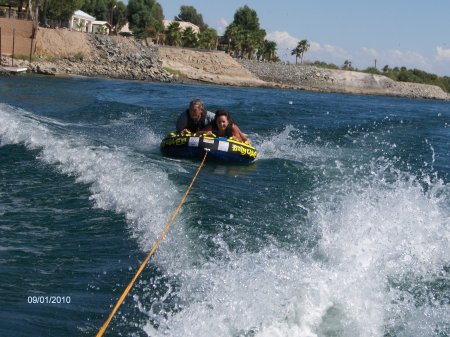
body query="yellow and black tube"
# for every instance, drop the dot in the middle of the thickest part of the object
(220, 148)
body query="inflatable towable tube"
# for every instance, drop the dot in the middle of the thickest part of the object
(220, 148)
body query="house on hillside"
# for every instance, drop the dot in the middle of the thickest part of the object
(101, 27)
(183, 25)
(81, 22)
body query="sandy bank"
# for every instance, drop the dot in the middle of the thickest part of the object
(207, 66)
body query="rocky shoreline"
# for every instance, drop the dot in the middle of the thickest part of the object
(111, 59)
(125, 58)
(307, 77)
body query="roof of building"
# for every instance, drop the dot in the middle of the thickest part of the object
(183, 25)
(79, 13)
(102, 23)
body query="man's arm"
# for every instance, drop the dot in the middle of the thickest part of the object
(182, 122)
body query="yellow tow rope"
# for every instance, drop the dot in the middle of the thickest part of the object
(141, 268)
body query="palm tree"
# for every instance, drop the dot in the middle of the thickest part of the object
(236, 35)
(254, 40)
(268, 50)
(208, 38)
(302, 47)
(189, 38)
(173, 34)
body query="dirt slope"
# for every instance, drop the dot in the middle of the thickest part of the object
(208, 66)
(61, 43)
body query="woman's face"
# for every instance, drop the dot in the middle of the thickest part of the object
(222, 123)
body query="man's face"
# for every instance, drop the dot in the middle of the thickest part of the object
(195, 112)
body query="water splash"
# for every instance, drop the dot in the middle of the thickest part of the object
(119, 182)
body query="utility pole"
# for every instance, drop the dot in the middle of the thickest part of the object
(14, 41)
(375, 63)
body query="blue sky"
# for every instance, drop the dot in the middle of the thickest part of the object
(411, 33)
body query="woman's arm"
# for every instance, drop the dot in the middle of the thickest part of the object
(238, 135)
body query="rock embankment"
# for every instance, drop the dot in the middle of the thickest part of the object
(313, 78)
(97, 56)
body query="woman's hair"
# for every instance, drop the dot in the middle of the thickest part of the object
(223, 113)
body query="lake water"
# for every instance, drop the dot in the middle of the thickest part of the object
(340, 228)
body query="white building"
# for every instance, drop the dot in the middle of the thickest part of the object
(81, 22)
(183, 25)
(100, 27)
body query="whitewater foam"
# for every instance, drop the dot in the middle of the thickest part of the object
(378, 224)
(118, 182)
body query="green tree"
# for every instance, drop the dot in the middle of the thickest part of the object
(173, 34)
(235, 36)
(347, 65)
(43, 14)
(62, 10)
(189, 14)
(96, 8)
(119, 16)
(208, 38)
(267, 51)
(189, 38)
(102, 30)
(145, 18)
(372, 70)
(325, 65)
(300, 50)
(245, 32)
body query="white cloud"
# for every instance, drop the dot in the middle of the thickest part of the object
(442, 54)
(394, 58)
(286, 42)
(221, 25)
(283, 39)
(408, 59)
(363, 58)
(335, 52)
(314, 46)
(370, 52)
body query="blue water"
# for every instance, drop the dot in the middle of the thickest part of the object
(340, 228)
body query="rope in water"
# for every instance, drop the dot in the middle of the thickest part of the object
(141, 268)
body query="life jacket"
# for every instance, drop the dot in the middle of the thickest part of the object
(195, 126)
